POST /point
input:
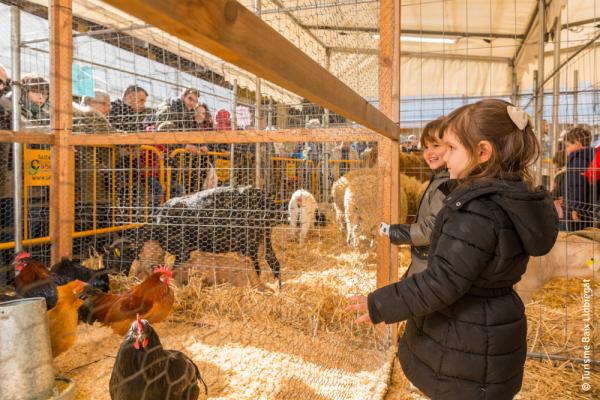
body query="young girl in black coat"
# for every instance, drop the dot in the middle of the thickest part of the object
(466, 332)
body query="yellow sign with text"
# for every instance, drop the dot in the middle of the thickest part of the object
(37, 167)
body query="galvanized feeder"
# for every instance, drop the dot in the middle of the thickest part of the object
(26, 371)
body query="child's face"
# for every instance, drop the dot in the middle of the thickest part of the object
(433, 153)
(456, 156)
(571, 147)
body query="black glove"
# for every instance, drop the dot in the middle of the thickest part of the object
(400, 234)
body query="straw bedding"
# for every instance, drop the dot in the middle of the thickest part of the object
(298, 342)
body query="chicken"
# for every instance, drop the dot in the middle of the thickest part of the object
(67, 270)
(152, 299)
(34, 280)
(144, 370)
(62, 319)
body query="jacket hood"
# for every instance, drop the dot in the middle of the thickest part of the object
(532, 212)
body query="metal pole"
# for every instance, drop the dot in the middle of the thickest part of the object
(15, 40)
(575, 96)
(327, 66)
(258, 100)
(270, 113)
(534, 98)
(540, 87)
(513, 98)
(232, 180)
(545, 356)
(555, 94)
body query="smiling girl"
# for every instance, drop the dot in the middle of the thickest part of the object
(466, 332)
(418, 234)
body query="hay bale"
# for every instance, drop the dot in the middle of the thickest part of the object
(215, 269)
(413, 189)
(414, 165)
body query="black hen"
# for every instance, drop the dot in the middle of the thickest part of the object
(144, 370)
(34, 279)
(67, 270)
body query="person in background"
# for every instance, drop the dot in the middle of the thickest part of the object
(466, 331)
(557, 189)
(579, 196)
(35, 116)
(180, 111)
(35, 107)
(5, 102)
(418, 234)
(90, 117)
(99, 102)
(128, 113)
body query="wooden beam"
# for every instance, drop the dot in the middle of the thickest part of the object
(25, 137)
(61, 186)
(287, 135)
(388, 159)
(226, 29)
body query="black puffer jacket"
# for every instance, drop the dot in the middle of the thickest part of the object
(124, 118)
(466, 333)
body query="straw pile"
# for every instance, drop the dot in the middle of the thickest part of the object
(556, 317)
(261, 341)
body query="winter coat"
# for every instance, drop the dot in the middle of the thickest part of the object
(123, 118)
(5, 113)
(579, 194)
(593, 172)
(173, 110)
(430, 205)
(466, 332)
(87, 121)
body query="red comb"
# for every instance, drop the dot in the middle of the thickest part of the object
(22, 255)
(164, 269)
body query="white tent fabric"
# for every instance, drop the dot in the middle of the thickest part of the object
(477, 64)
(110, 17)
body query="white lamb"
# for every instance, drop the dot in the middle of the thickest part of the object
(302, 210)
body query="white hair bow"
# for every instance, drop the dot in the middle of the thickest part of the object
(518, 116)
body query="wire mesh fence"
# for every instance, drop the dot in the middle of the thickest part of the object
(218, 214)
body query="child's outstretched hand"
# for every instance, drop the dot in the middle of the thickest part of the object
(359, 303)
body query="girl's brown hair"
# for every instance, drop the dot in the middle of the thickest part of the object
(431, 132)
(513, 150)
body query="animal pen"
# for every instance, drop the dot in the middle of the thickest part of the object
(304, 94)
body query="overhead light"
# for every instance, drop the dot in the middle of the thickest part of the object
(427, 39)
(376, 36)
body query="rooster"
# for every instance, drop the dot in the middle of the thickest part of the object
(34, 280)
(152, 299)
(67, 270)
(144, 370)
(62, 319)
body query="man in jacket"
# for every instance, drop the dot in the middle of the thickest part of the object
(128, 113)
(579, 196)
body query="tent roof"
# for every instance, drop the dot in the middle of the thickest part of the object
(490, 37)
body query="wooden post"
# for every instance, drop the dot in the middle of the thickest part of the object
(388, 160)
(61, 188)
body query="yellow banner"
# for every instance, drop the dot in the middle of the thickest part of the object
(37, 167)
